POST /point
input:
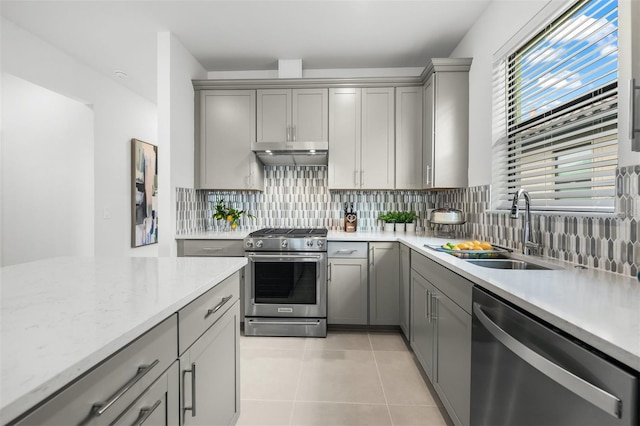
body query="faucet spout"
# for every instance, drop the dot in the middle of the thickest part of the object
(528, 243)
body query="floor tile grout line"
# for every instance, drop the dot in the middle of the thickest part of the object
(384, 393)
(295, 394)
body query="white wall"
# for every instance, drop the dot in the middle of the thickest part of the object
(47, 200)
(495, 28)
(176, 69)
(119, 115)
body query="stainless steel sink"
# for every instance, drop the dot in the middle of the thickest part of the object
(508, 264)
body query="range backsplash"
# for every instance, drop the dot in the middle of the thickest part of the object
(297, 196)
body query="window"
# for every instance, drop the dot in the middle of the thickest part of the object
(557, 113)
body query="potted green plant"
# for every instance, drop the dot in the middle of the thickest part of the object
(408, 219)
(389, 219)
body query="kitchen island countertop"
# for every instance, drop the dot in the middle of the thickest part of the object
(62, 316)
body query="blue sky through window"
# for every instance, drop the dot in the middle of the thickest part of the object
(573, 57)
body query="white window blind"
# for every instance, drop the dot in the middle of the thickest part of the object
(555, 106)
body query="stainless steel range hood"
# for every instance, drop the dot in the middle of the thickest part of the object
(292, 153)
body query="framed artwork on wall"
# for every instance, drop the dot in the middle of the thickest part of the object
(144, 193)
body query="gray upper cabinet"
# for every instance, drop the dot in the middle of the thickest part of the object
(224, 135)
(345, 107)
(408, 138)
(362, 138)
(292, 115)
(446, 124)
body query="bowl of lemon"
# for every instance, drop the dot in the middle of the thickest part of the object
(474, 250)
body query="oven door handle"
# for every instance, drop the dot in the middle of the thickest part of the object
(280, 256)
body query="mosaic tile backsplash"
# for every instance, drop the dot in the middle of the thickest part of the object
(297, 196)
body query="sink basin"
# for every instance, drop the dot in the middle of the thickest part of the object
(507, 264)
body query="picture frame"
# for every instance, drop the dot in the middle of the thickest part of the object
(144, 193)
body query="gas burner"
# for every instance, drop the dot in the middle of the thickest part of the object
(287, 239)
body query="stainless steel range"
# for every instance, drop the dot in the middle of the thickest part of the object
(286, 282)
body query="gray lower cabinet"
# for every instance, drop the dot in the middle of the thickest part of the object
(210, 374)
(347, 300)
(423, 329)
(104, 395)
(405, 290)
(209, 338)
(441, 332)
(384, 290)
(215, 248)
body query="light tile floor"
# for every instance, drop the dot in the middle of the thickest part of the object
(349, 378)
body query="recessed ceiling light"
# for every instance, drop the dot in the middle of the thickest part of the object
(313, 151)
(121, 75)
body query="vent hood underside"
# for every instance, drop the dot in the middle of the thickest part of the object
(292, 153)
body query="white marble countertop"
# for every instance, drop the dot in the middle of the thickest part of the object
(595, 306)
(62, 316)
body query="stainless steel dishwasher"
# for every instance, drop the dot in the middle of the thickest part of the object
(523, 372)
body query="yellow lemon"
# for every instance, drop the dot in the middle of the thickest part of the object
(477, 247)
(234, 225)
(476, 242)
(455, 248)
(485, 245)
(229, 218)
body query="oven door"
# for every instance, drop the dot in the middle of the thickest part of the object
(286, 285)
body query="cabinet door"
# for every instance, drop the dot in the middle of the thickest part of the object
(344, 138)
(227, 128)
(377, 170)
(158, 405)
(423, 332)
(451, 130)
(453, 377)
(310, 115)
(274, 115)
(427, 133)
(384, 259)
(409, 137)
(405, 289)
(210, 378)
(347, 291)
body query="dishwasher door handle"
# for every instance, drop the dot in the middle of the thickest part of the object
(600, 398)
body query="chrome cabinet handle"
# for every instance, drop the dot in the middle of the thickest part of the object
(633, 88)
(218, 306)
(100, 408)
(346, 251)
(434, 307)
(193, 390)
(294, 132)
(212, 248)
(428, 182)
(145, 412)
(362, 177)
(427, 305)
(598, 397)
(355, 178)
(329, 274)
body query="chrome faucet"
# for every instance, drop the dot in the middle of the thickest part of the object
(528, 243)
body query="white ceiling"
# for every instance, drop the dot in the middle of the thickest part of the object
(232, 35)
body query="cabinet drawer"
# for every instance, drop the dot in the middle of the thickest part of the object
(347, 249)
(451, 284)
(195, 318)
(114, 384)
(159, 405)
(227, 248)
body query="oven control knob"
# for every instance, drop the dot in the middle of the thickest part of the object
(320, 243)
(259, 243)
(249, 243)
(284, 243)
(309, 243)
